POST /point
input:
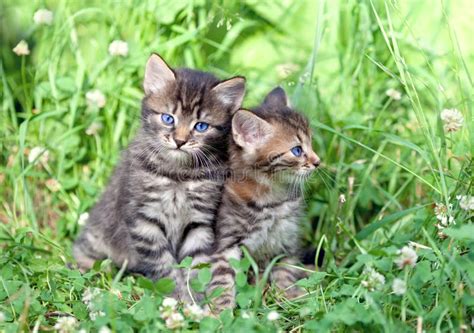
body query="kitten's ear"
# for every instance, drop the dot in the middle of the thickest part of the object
(249, 129)
(231, 92)
(277, 97)
(157, 75)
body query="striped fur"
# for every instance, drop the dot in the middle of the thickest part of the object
(161, 202)
(261, 203)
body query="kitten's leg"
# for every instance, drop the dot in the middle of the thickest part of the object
(223, 276)
(88, 248)
(284, 277)
(152, 253)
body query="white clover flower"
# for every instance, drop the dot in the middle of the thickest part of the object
(452, 120)
(93, 315)
(169, 302)
(95, 98)
(374, 280)
(21, 48)
(407, 257)
(466, 202)
(90, 295)
(399, 287)
(118, 48)
(168, 307)
(2, 317)
(105, 329)
(273, 315)
(66, 324)
(393, 94)
(38, 153)
(82, 220)
(442, 213)
(43, 16)
(94, 128)
(193, 312)
(174, 321)
(342, 199)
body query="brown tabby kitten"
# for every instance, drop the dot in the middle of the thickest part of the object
(270, 156)
(162, 199)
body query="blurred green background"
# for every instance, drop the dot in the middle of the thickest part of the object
(388, 156)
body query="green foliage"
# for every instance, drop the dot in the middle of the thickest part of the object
(389, 157)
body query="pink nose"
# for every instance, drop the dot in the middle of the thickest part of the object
(314, 159)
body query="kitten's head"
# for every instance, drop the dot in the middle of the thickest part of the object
(186, 113)
(274, 138)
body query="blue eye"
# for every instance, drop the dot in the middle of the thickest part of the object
(297, 151)
(167, 118)
(201, 127)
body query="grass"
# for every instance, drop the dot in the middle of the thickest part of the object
(390, 158)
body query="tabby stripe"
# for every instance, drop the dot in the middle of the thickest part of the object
(223, 270)
(191, 226)
(153, 221)
(141, 238)
(147, 252)
(204, 209)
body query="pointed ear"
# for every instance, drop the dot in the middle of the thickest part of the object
(250, 130)
(277, 97)
(157, 75)
(231, 92)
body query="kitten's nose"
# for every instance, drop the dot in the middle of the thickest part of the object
(314, 159)
(179, 143)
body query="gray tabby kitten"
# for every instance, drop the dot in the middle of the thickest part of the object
(162, 199)
(270, 156)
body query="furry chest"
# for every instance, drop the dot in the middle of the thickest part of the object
(275, 232)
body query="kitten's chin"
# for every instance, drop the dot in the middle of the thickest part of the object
(178, 155)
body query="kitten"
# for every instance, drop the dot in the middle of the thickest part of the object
(270, 156)
(161, 202)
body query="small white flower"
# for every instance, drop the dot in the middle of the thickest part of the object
(65, 324)
(273, 315)
(394, 94)
(452, 120)
(169, 302)
(193, 312)
(95, 98)
(443, 215)
(82, 220)
(407, 257)
(21, 48)
(466, 202)
(168, 307)
(90, 295)
(35, 154)
(43, 16)
(94, 128)
(93, 315)
(175, 320)
(2, 317)
(374, 280)
(399, 287)
(82, 330)
(105, 329)
(118, 48)
(342, 199)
